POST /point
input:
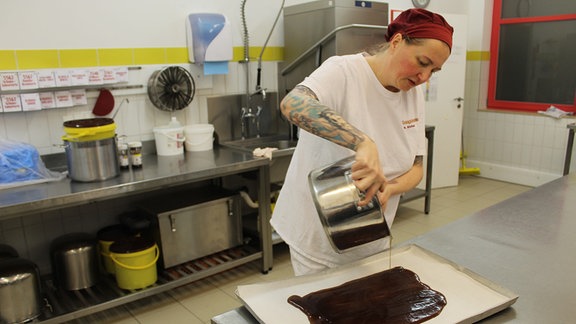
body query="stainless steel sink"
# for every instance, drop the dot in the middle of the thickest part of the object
(280, 158)
(284, 145)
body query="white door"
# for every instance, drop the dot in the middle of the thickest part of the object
(445, 106)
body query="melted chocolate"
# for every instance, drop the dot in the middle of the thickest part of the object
(357, 236)
(391, 296)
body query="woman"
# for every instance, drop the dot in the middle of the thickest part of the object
(367, 104)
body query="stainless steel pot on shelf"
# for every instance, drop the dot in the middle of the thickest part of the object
(74, 261)
(91, 149)
(20, 290)
(336, 198)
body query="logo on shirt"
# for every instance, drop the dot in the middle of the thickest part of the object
(410, 123)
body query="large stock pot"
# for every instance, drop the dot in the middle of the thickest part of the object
(91, 149)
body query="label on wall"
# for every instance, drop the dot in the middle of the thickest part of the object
(121, 74)
(95, 76)
(47, 100)
(109, 75)
(30, 101)
(79, 97)
(79, 77)
(63, 99)
(28, 80)
(11, 103)
(46, 79)
(9, 81)
(63, 78)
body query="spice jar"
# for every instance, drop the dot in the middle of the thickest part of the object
(123, 156)
(135, 154)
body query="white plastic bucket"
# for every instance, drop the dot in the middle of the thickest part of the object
(169, 140)
(199, 137)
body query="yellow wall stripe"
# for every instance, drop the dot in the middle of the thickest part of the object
(115, 56)
(477, 56)
(270, 54)
(149, 56)
(176, 55)
(37, 59)
(72, 58)
(8, 60)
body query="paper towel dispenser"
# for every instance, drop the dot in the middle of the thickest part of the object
(209, 38)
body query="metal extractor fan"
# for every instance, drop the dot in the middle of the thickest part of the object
(171, 88)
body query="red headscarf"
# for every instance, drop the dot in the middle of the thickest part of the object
(420, 23)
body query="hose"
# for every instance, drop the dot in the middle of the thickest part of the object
(248, 200)
(265, 44)
(246, 49)
(245, 31)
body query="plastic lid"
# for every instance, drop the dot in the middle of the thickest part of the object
(112, 233)
(131, 245)
(89, 122)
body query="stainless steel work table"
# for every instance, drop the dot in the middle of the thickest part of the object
(526, 244)
(158, 172)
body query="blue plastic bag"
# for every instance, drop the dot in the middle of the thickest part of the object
(20, 163)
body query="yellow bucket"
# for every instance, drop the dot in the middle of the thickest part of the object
(91, 129)
(106, 237)
(135, 267)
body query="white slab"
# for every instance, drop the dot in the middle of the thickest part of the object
(469, 296)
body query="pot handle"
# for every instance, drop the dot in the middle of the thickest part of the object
(156, 250)
(175, 138)
(358, 195)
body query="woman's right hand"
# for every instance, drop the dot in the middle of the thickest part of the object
(367, 171)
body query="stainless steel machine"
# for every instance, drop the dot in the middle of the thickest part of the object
(316, 30)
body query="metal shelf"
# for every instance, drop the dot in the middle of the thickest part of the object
(62, 305)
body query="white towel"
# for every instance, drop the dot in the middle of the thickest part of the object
(265, 152)
(554, 112)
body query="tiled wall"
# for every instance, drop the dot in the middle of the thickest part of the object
(32, 234)
(138, 116)
(522, 148)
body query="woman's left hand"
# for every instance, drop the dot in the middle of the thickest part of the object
(384, 195)
(367, 172)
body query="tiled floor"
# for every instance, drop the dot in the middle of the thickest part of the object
(198, 302)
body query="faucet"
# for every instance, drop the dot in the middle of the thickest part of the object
(259, 90)
(247, 113)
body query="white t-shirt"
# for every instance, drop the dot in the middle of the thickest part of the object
(395, 121)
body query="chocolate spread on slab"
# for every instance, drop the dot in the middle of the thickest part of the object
(392, 296)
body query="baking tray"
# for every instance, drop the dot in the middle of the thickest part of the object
(470, 297)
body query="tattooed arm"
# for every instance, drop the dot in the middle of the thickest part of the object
(302, 108)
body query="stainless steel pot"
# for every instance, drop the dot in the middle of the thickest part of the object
(74, 261)
(336, 198)
(92, 160)
(20, 299)
(91, 149)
